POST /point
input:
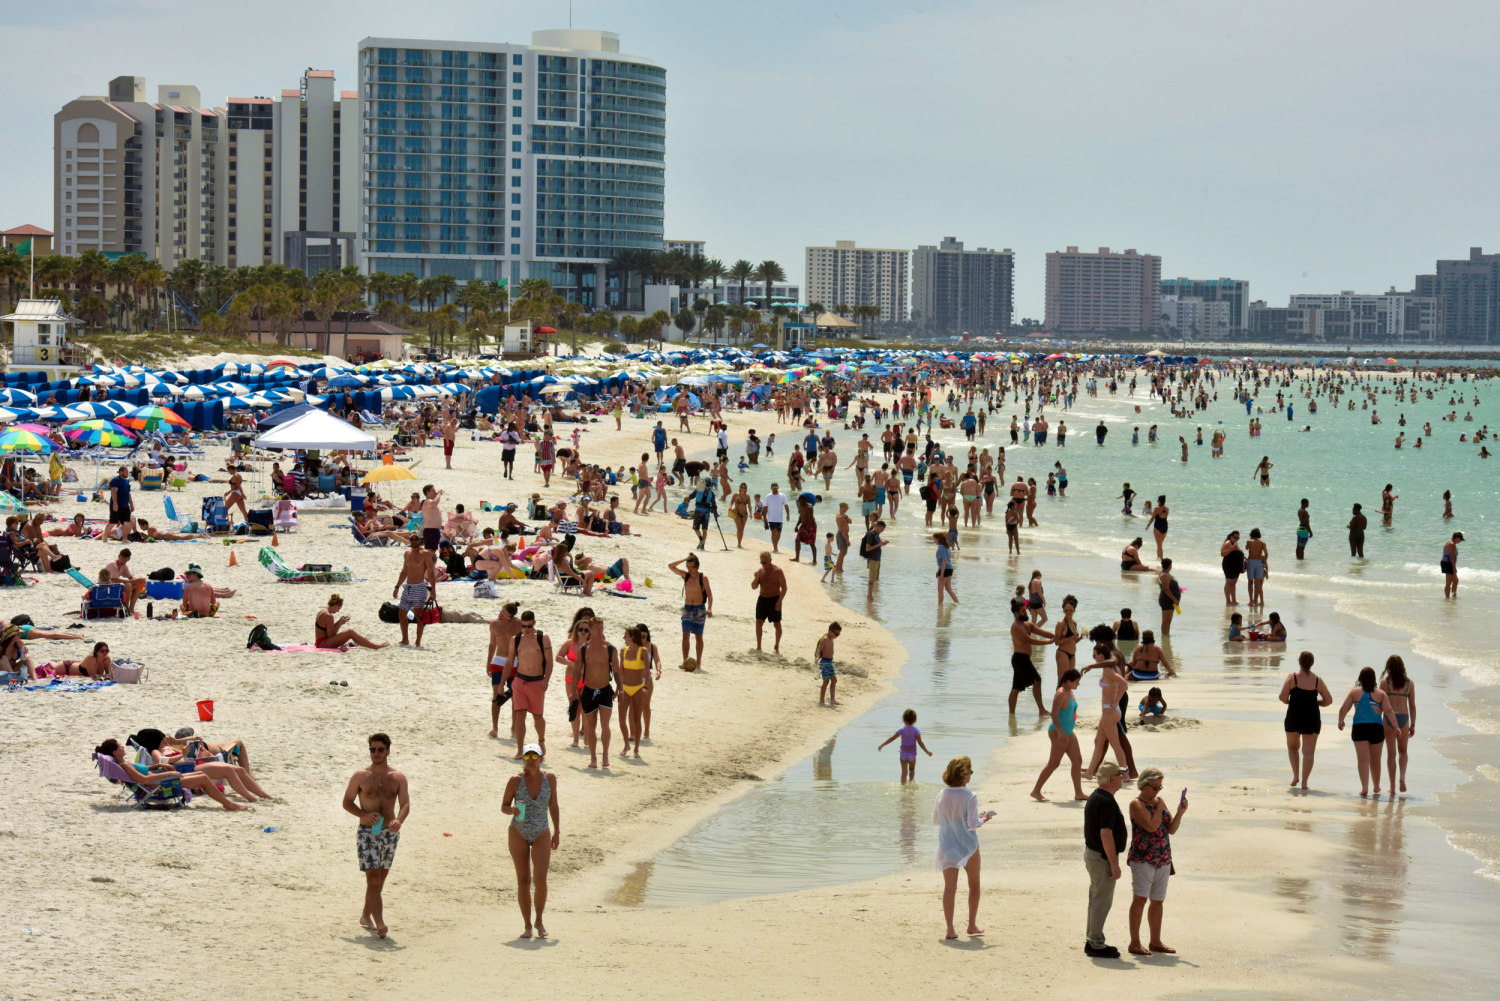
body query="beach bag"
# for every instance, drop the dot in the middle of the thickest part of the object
(62, 564)
(430, 614)
(165, 573)
(486, 589)
(260, 639)
(390, 612)
(129, 674)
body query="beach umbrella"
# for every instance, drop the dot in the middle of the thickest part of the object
(163, 389)
(97, 424)
(17, 397)
(385, 474)
(149, 418)
(8, 414)
(10, 504)
(55, 413)
(99, 436)
(228, 388)
(25, 441)
(108, 409)
(33, 428)
(545, 330)
(346, 381)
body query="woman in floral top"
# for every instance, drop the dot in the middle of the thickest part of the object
(1150, 858)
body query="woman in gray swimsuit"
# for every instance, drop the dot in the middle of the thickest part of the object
(531, 799)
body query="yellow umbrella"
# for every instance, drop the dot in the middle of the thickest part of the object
(384, 474)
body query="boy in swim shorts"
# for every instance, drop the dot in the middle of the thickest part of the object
(824, 656)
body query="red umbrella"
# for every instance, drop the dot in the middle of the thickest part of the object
(545, 330)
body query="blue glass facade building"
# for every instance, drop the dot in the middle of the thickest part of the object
(511, 161)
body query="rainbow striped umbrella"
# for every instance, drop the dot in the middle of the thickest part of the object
(9, 504)
(151, 417)
(25, 441)
(33, 428)
(98, 432)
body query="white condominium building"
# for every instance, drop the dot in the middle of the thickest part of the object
(846, 275)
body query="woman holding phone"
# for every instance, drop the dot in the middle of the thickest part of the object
(957, 815)
(1150, 858)
(531, 802)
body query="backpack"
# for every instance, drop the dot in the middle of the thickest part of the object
(260, 639)
(864, 549)
(165, 573)
(390, 612)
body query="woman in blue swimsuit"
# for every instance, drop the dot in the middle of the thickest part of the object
(1372, 709)
(1064, 740)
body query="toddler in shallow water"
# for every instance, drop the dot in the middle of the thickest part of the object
(911, 739)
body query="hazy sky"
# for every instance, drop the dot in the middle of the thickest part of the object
(1306, 146)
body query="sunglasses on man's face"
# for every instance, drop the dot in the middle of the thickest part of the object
(378, 750)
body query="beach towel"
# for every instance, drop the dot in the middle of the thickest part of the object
(60, 686)
(302, 648)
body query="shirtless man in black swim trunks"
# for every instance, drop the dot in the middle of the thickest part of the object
(1023, 637)
(597, 700)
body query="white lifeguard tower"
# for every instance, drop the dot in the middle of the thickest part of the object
(41, 338)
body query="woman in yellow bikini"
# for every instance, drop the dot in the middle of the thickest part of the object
(630, 679)
(652, 677)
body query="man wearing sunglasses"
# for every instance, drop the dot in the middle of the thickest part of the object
(373, 795)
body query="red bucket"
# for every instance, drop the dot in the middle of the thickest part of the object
(206, 710)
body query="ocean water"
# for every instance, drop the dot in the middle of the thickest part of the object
(840, 816)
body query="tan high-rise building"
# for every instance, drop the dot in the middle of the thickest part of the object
(1103, 292)
(136, 177)
(846, 275)
(262, 182)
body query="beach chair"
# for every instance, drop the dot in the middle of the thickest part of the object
(79, 576)
(215, 515)
(165, 794)
(365, 540)
(151, 479)
(286, 515)
(328, 484)
(103, 601)
(177, 523)
(10, 572)
(272, 561)
(563, 582)
(370, 420)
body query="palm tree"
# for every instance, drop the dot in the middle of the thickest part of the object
(714, 272)
(572, 313)
(379, 285)
(740, 271)
(768, 272)
(629, 327)
(685, 320)
(406, 284)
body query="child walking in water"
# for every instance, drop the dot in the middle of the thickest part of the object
(911, 739)
(828, 563)
(823, 653)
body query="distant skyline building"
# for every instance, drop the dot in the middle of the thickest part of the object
(693, 248)
(1191, 317)
(1234, 292)
(499, 160)
(844, 274)
(954, 290)
(1388, 317)
(1470, 290)
(1100, 293)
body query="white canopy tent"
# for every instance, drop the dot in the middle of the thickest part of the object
(317, 429)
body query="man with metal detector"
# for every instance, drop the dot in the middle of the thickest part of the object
(704, 507)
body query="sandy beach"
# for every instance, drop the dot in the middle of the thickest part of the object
(84, 867)
(1278, 895)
